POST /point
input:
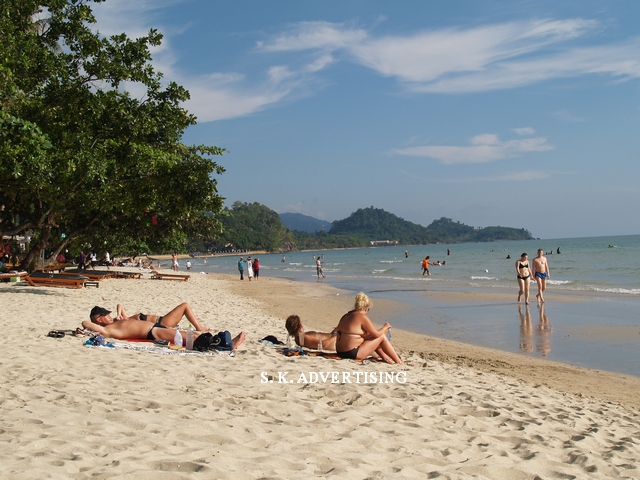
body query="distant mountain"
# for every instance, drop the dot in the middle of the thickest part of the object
(304, 223)
(376, 224)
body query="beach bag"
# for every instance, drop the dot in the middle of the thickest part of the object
(207, 341)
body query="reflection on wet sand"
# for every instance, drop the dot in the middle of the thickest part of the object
(526, 330)
(542, 331)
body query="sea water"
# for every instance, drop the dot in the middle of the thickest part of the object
(595, 283)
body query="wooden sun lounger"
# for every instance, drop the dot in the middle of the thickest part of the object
(95, 275)
(117, 274)
(169, 276)
(41, 279)
(10, 275)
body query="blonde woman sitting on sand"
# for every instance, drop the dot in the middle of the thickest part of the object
(358, 338)
(294, 327)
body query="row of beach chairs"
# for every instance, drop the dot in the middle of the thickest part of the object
(81, 278)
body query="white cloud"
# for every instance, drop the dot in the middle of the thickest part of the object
(483, 58)
(524, 131)
(484, 148)
(448, 60)
(525, 176)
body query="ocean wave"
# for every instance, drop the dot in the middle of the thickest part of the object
(559, 282)
(390, 261)
(379, 271)
(623, 291)
(484, 278)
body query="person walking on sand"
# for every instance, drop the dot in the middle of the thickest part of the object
(256, 268)
(425, 266)
(541, 273)
(249, 268)
(241, 268)
(523, 274)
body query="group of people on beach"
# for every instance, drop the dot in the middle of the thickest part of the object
(539, 272)
(250, 266)
(355, 337)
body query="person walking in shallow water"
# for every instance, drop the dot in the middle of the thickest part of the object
(523, 274)
(319, 270)
(425, 266)
(541, 273)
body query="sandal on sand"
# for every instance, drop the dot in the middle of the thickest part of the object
(79, 332)
(56, 334)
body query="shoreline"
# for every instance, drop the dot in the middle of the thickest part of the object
(280, 298)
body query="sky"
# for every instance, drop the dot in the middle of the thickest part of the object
(513, 113)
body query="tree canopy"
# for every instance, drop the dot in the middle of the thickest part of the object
(84, 161)
(252, 226)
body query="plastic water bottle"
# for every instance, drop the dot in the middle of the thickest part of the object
(320, 345)
(190, 335)
(177, 340)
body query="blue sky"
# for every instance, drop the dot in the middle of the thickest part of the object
(511, 113)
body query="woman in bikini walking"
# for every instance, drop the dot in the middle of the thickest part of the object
(523, 273)
(357, 338)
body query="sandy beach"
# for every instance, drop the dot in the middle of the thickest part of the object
(453, 411)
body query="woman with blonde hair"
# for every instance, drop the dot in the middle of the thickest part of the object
(358, 338)
(294, 326)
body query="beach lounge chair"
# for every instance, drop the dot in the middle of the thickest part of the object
(95, 275)
(117, 274)
(42, 279)
(9, 276)
(168, 276)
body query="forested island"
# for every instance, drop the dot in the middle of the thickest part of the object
(257, 227)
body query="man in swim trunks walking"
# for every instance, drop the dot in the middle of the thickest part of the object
(541, 273)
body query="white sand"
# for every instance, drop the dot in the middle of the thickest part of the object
(70, 411)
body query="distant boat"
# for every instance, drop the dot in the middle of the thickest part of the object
(613, 246)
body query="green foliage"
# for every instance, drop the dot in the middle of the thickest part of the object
(252, 226)
(84, 162)
(323, 240)
(376, 224)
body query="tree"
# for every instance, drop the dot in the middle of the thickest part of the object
(253, 226)
(83, 160)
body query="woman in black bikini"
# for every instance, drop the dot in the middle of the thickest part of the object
(523, 273)
(357, 337)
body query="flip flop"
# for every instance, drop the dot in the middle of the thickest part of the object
(56, 334)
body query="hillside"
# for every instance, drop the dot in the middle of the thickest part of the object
(304, 223)
(377, 224)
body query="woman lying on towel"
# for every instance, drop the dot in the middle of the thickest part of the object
(141, 326)
(294, 327)
(358, 338)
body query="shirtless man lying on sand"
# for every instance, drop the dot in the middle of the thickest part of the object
(150, 327)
